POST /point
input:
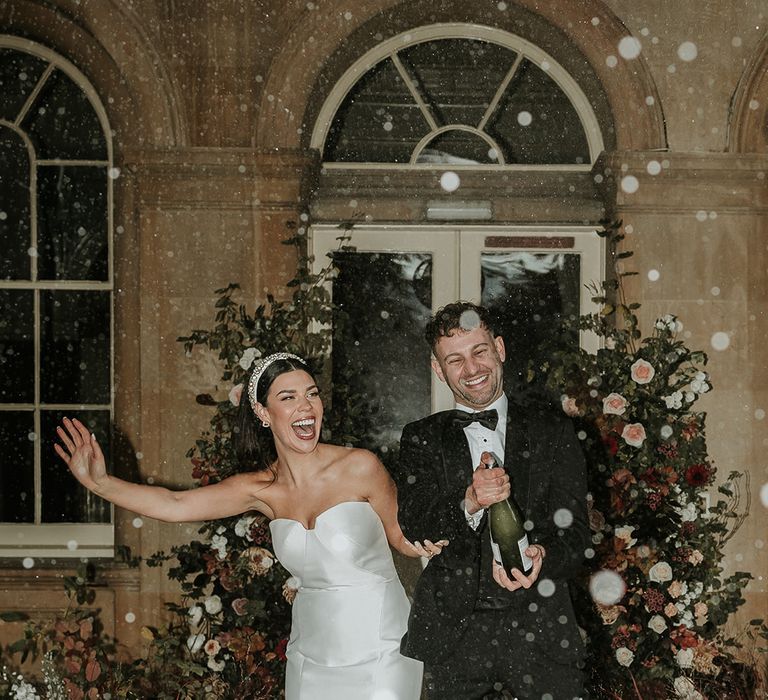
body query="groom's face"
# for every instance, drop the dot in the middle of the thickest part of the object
(470, 363)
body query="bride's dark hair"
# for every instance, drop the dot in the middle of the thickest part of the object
(254, 444)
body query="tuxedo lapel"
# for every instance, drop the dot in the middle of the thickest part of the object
(517, 460)
(457, 459)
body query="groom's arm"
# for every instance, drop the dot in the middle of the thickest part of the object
(428, 509)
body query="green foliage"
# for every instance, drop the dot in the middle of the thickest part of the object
(659, 519)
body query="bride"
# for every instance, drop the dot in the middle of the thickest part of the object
(333, 514)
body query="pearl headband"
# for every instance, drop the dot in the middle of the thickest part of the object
(259, 368)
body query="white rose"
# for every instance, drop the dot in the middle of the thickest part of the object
(624, 656)
(684, 658)
(195, 614)
(660, 572)
(195, 642)
(674, 400)
(685, 690)
(689, 513)
(657, 624)
(213, 604)
(243, 527)
(248, 357)
(215, 666)
(219, 543)
(624, 533)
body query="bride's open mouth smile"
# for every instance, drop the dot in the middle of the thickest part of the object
(304, 428)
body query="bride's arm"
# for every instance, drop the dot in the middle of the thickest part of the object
(85, 460)
(381, 493)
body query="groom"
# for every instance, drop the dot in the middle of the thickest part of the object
(480, 633)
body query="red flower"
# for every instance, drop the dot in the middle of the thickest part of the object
(611, 444)
(654, 500)
(698, 475)
(654, 600)
(280, 648)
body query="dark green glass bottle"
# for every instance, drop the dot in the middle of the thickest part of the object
(509, 540)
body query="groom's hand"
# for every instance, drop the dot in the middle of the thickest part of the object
(519, 580)
(488, 486)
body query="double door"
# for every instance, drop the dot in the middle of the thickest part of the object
(392, 278)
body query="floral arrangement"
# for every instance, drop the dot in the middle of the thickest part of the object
(655, 578)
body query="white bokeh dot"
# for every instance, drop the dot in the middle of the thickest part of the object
(130, 617)
(72, 545)
(563, 517)
(524, 118)
(715, 291)
(736, 42)
(653, 275)
(629, 47)
(387, 126)
(595, 21)
(630, 184)
(701, 215)
(759, 413)
(653, 167)
(650, 101)
(611, 61)
(666, 432)
(720, 340)
(27, 562)
(764, 495)
(753, 104)
(606, 587)
(502, 6)
(114, 173)
(546, 587)
(450, 181)
(137, 522)
(687, 51)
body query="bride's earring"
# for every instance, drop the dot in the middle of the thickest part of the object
(265, 424)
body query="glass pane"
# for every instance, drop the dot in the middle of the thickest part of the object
(14, 207)
(536, 123)
(75, 347)
(17, 460)
(458, 147)
(386, 300)
(457, 77)
(72, 223)
(530, 294)
(378, 120)
(19, 73)
(63, 124)
(63, 499)
(17, 350)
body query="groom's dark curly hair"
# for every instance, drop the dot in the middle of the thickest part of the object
(460, 315)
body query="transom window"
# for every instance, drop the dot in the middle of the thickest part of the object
(55, 299)
(430, 98)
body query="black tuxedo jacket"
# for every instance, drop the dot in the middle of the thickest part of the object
(548, 475)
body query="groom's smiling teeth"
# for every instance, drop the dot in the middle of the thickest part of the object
(304, 428)
(474, 382)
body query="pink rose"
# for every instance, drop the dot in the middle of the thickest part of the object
(642, 372)
(569, 406)
(633, 434)
(614, 404)
(670, 610)
(235, 393)
(240, 606)
(696, 557)
(212, 647)
(700, 610)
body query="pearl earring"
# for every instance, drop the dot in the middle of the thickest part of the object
(265, 424)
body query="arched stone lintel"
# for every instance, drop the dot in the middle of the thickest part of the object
(628, 85)
(748, 118)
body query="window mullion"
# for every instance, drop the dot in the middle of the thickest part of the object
(409, 83)
(33, 95)
(37, 419)
(500, 92)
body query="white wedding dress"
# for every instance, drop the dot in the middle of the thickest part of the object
(350, 611)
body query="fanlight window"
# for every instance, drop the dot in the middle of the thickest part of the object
(55, 297)
(460, 101)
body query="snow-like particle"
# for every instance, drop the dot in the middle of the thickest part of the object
(715, 291)
(449, 181)
(653, 167)
(493, 154)
(137, 523)
(347, 15)
(546, 587)
(544, 65)
(384, 314)
(736, 42)
(720, 340)
(653, 275)
(114, 173)
(666, 432)
(753, 104)
(387, 126)
(595, 21)
(27, 562)
(611, 61)
(764, 495)
(759, 544)
(649, 100)
(32, 436)
(32, 252)
(606, 587)
(524, 118)
(759, 413)
(502, 6)
(72, 545)
(701, 215)
(629, 47)
(130, 617)
(563, 517)
(687, 51)
(469, 319)
(3, 216)
(630, 184)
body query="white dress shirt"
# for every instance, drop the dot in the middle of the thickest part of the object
(481, 439)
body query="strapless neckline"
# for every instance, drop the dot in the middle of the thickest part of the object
(319, 515)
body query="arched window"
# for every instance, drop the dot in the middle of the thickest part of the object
(55, 298)
(469, 96)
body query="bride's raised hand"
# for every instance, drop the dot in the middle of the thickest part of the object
(428, 549)
(82, 455)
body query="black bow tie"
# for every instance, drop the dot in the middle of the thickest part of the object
(487, 418)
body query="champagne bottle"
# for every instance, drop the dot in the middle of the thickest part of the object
(509, 539)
